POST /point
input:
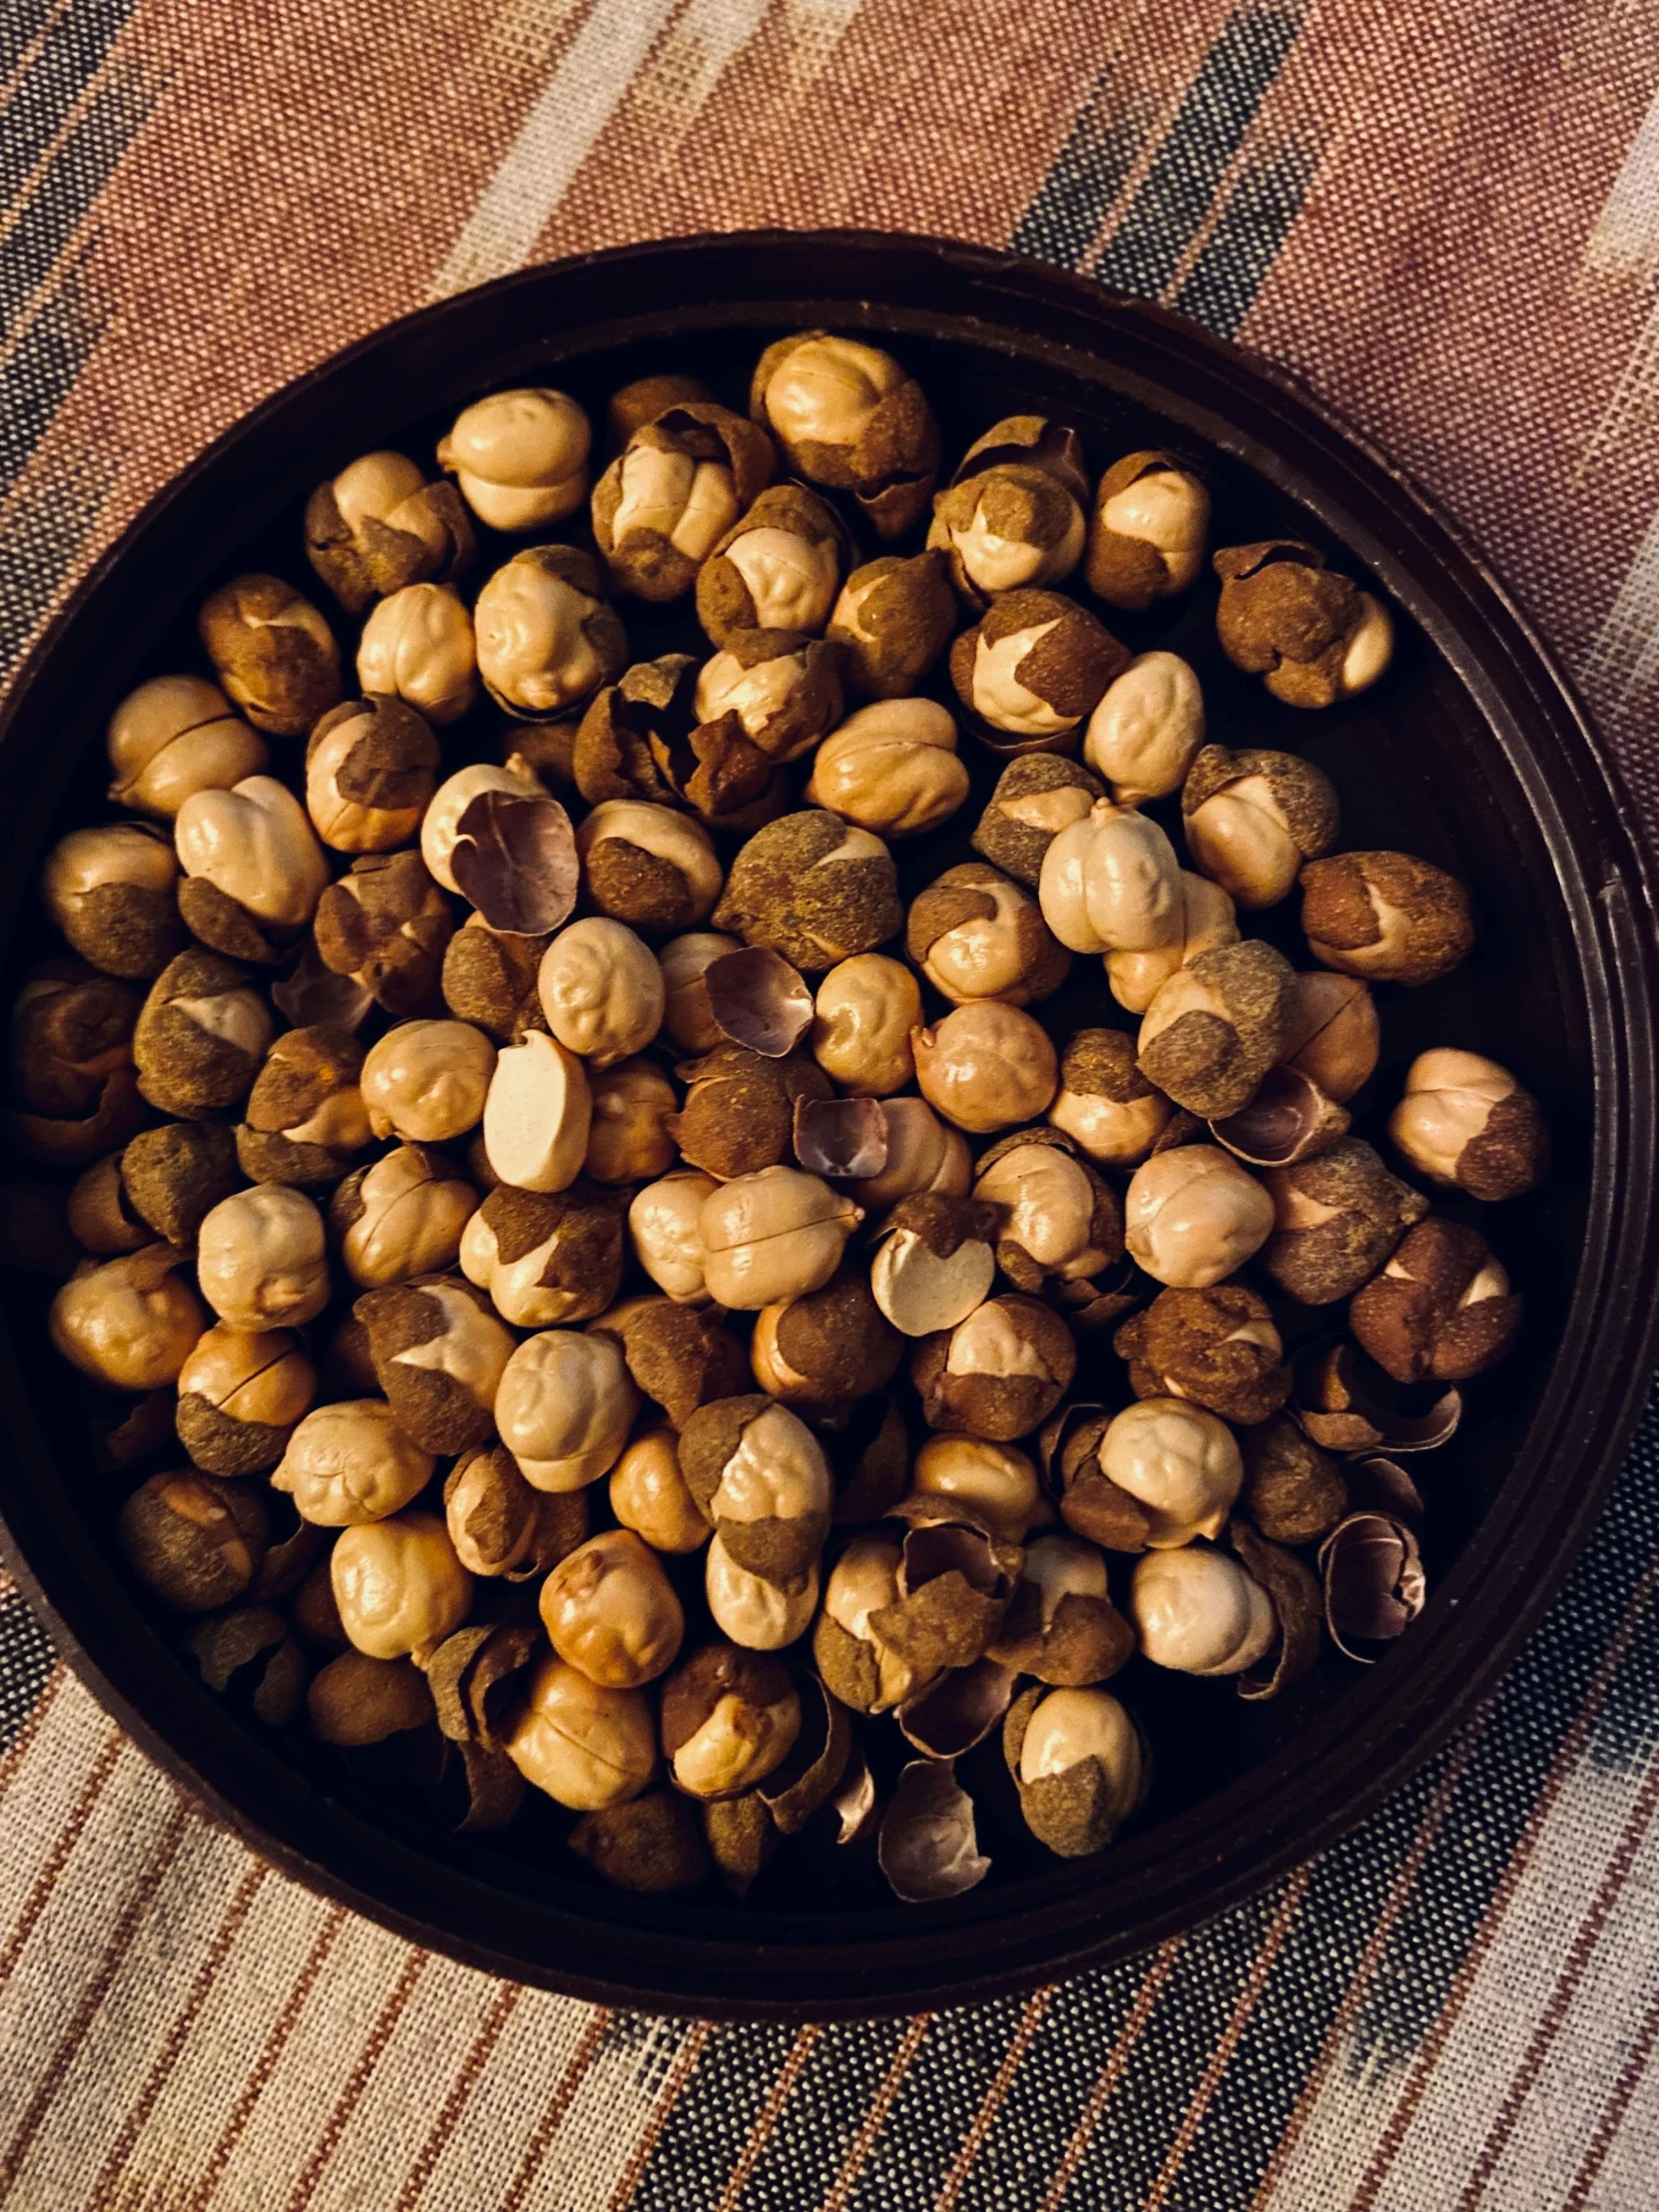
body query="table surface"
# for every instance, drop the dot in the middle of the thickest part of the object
(1447, 220)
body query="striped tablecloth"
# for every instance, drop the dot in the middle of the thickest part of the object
(1446, 220)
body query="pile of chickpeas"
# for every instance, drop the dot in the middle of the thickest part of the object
(632, 1303)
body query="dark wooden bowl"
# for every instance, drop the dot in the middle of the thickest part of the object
(1471, 751)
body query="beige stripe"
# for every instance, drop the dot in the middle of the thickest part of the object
(853, 2165)
(1429, 2051)
(484, 2041)
(263, 2065)
(990, 2104)
(1077, 2145)
(1222, 2056)
(554, 141)
(770, 2114)
(203, 2092)
(415, 1965)
(306, 2084)
(1584, 1942)
(417, 2063)
(50, 2076)
(68, 1835)
(124, 2041)
(130, 1816)
(553, 2112)
(1611, 2117)
(1393, 1905)
(685, 2065)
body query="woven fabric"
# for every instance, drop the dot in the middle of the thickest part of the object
(1447, 221)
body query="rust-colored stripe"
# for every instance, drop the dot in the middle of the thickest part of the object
(92, 1997)
(471, 2066)
(1549, 2025)
(17, 1749)
(1393, 1905)
(265, 2065)
(1222, 2056)
(58, 1857)
(853, 2165)
(1434, 2041)
(558, 2104)
(1613, 2111)
(1146, 1999)
(178, 2034)
(690, 2051)
(770, 2114)
(1030, 2020)
(379, 2035)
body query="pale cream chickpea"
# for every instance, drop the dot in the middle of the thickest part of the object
(538, 1115)
(610, 1610)
(254, 843)
(649, 1494)
(1198, 1612)
(1147, 729)
(565, 1404)
(261, 1259)
(997, 1480)
(130, 1324)
(585, 1744)
(600, 989)
(1194, 1215)
(520, 458)
(417, 645)
(665, 1229)
(398, 1587)
(349, 1462)
(1180, 1461)
(923, 1154)
(626, 1142)
(174, 737)
(771, 1236)
(1112, 883)
(987, 1066)
(427, 1081)
(866, 1010)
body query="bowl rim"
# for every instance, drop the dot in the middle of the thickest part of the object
(1599, 1374)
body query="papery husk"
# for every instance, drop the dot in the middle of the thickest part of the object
(928, 1848)
(796, 1789)
(1289, 1119)
(953, 1593)
(1374, 1583)
(958, 1711)
(1340, 1402)
(1296, 1603)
